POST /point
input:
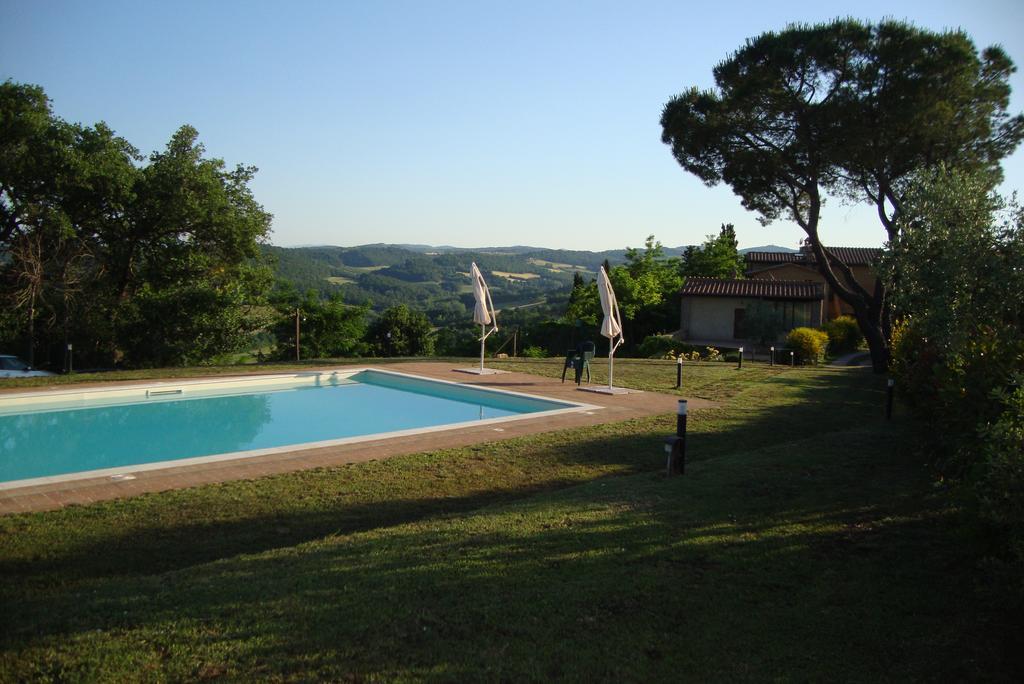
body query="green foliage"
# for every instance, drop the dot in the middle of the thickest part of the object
(584, 302)
(327, 328)
(658, 347)
(959, 350)
(1000, 482)
(667, 347)
(146, 263)
(534, 352)
(400, 331)
(189, 323)
(718, 257)
(463, 340)
(647, 288)
(844, 335)
(960, 264)
(808, 344)
(850, 109)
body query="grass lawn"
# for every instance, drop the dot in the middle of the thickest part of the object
(807, 541)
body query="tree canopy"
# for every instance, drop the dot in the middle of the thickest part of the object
(717, 257)
(400, 331)
(152, 261)
(851, 110)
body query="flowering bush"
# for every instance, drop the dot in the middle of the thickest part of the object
(808, 344)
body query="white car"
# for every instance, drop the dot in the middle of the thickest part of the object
(13, 367)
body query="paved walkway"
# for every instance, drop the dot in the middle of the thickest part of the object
(612, 408)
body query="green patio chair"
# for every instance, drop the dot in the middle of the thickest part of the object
(586, 355)
(570, 361)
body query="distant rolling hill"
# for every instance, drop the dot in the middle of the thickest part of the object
(435, 279)
(769, 248)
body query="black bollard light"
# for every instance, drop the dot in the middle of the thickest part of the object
(741, 359)
(679, 372)
(888, 398)
(771, 356)
(792, 360)
(675, 446)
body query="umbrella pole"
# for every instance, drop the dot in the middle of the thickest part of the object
(483, 338)
(611, 364)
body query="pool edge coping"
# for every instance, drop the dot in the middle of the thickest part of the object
(112, 473)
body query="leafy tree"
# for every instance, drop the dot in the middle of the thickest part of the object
(718, 257)
(400, 331)
(60, 185)
(584, 302)
(850, 109)
(458, 340)
(959, 347)
(151, 263)
(327, 328)
(959, 259)
(647, 288)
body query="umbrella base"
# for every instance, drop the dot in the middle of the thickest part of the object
(607, 390)
(479, 371)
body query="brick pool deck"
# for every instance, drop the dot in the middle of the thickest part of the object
(614, 408)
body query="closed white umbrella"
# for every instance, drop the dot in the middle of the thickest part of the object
(611, 327)
(483, 312)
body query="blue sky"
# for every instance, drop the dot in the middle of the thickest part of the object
(463, 123)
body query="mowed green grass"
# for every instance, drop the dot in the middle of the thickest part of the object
(806, 541)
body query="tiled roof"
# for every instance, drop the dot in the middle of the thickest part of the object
(773, 257)
(851, 256)
(766, 289)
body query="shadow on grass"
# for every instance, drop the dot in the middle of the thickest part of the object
(636, 578)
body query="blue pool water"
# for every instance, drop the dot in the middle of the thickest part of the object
(70, 440)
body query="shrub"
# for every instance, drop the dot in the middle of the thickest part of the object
(844, 335)
(1000, 483)
(667, 347)
(808, 344)
(712, 354)
(657, 347)
(533, 352)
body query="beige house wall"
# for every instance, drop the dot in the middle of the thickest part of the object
(707, 319)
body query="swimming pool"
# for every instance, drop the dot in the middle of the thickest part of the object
(72, 434)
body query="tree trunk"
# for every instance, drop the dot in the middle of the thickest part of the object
(870, 319)
(874, 335)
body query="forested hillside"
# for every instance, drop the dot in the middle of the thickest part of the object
(436, 279)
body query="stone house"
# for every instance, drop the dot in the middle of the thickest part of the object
(713, 310)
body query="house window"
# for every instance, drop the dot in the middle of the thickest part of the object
(794, 314)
